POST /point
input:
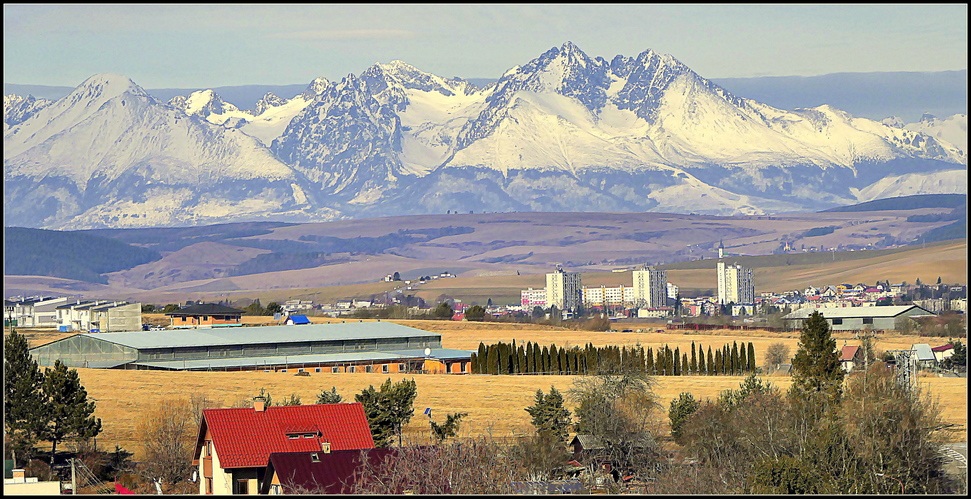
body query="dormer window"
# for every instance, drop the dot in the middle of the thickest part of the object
(315, 457)
(309, 435)
(293, 436)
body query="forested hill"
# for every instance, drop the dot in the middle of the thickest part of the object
(70, 255)
(907, 203)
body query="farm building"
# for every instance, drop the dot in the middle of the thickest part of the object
(346, 347)
(855, 318)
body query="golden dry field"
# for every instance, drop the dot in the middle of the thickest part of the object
(495, 403)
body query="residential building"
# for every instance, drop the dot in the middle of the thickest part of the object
(37, 312)
(206, 315)
(650, 287)
(943, 352)
(564, 290)
(533, 298)
(857, 318)
(672, 291)
(335, 472)
(735, 284)
(234, 445)
(100, 316)
(603, 296)
(851, 357)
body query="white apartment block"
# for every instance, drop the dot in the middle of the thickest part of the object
(604, 296)
(672, 291)
(564, 289)
(533, 298)
(650, 287)
(735, 284)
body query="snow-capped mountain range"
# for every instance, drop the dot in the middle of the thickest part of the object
(563, 132)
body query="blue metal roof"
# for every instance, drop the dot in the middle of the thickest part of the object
(260, 335)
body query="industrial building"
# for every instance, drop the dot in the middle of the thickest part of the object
(346, 347)
(858, 318)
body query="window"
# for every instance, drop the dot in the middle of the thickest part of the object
(208, 485)
(293, 436)
(352, 369)
(283, 370)
(317, 370)
(837, 322)
(315, 457)
(300, 370)
(369, 369)
(335, 369)
(242, 486)
(208, 449)
(868, 320)
(401, 368)
(385, 368)
(205, 317)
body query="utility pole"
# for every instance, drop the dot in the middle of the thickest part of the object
(74, 480)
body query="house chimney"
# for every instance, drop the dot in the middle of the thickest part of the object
(259, 404)
(20, 475)
(325, 446)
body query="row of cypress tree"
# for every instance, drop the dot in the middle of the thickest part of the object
(504, 358)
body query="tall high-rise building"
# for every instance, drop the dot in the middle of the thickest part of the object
(735, 284)
(564, 289)
(650, 287)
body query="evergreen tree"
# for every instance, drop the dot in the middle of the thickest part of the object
(816, 365)
(492, 361)
(483, 358)
(649, 361)
(711, 363)
(684, 363)
(681, 410)
(734, 362)
(331, 397)
(554, 359)
(564, 364)
(545, 360)
(702, 367)
(549, 415)
(388, 409)
(677, 361)
(69, 414)
(693, 367)
(742, 360)
(23, 402)
(474, 363)
(514, 358)
(449, 428)
(523, 361)
(751, 358)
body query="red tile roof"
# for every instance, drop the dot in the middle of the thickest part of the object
(245, 438)
(848, 352)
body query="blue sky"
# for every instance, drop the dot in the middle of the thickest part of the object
(201, 46)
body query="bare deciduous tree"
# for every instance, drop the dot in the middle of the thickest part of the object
(169, 435)
(777, 353)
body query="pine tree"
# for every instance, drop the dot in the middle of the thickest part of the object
(514, 358)
(711, 363)
(677, 361)
(492, 361)
(545, 357)
(388, 409)
(521, 354)
(684, 362)
(69, 413)
(649, 361)
(549, 415)
(816, 365)
(702, 367)
(530, 361)
(473, 363)
(23, 402)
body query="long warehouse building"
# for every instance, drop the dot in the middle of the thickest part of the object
(380, 347)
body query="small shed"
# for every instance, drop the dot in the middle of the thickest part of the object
(924, 354)
(943, 352)
(851, 357)
(296, 320)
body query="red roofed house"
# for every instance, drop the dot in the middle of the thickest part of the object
(943, 352)
(339, 472)
(850, 357)
(234, 445)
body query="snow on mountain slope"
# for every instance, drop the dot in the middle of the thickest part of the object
(953, 129)
(942, 182)
(17, 108)
(111, 154)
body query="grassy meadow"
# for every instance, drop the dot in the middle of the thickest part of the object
(495, 403)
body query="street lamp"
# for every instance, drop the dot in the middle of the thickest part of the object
(898, 481)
